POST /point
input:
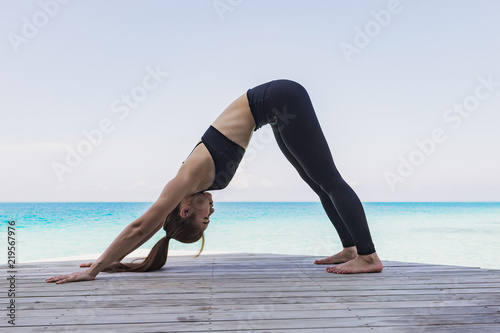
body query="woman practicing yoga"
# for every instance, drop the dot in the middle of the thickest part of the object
(183, 208)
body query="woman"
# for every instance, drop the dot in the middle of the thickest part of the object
(184, 208)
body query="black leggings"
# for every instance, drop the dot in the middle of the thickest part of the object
(287, 107)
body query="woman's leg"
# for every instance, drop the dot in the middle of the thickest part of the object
(301, 134)
(349, 251)
(327, 203)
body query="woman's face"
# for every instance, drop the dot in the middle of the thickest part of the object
(200, 204)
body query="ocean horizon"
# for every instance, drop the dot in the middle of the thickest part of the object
(448, 233)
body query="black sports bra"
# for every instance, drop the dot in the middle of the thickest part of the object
(226, 155)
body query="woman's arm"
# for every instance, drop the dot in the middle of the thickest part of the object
(144, 240)
(148, 237)
(137, 232)
(120, 259)
(144, 227)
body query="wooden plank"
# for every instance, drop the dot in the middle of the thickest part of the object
(134, 328)
(182, 325)
(107, 316)
(62, 316)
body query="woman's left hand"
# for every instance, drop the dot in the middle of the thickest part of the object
(86, 264)
(73, 277)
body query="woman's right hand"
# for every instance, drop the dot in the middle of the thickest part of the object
(73, 277)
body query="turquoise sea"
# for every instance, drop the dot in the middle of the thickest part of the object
(450, 233)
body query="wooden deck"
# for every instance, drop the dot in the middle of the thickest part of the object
(258, 293)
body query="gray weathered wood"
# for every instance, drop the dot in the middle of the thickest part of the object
(258, 293)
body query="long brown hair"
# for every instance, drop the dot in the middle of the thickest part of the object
(181, 229)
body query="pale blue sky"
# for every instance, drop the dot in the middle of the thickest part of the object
(69, 73)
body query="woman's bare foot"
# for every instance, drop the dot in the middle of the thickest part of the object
(348, 253)
(362, 264)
